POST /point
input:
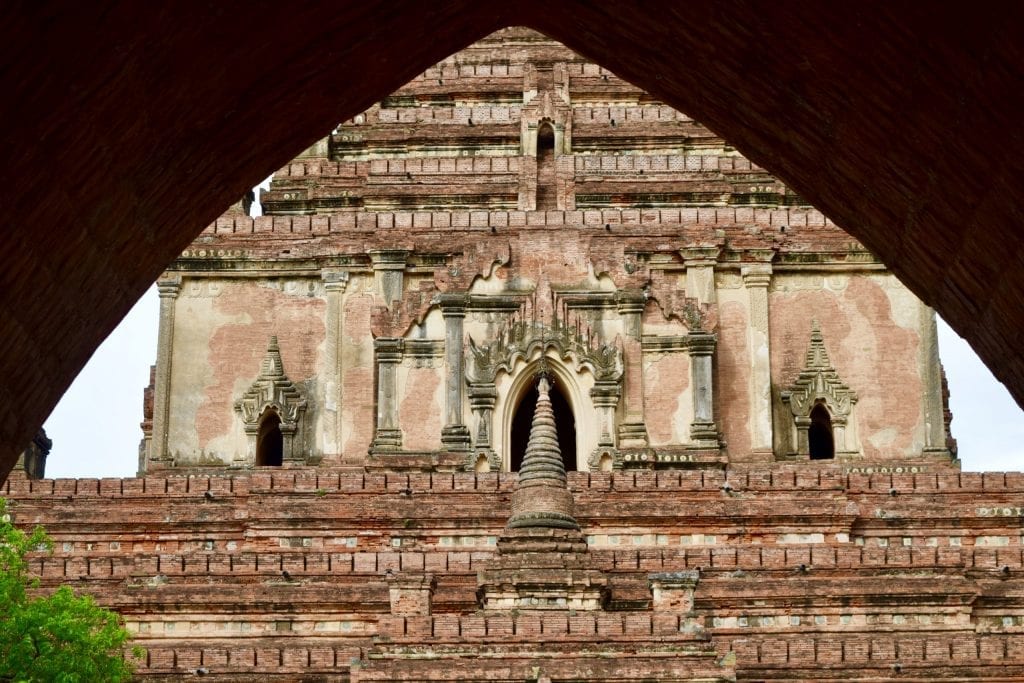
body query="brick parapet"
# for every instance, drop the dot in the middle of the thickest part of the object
(674, 219)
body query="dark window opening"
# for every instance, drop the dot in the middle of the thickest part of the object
(546, 196)
(819, 434)
(565, 424)
(270, 442)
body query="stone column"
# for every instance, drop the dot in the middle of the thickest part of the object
(633, 430)
(703, 431)
(388, 436)
(168, 287)
(756, 279)
(335, 282)
(454, 434)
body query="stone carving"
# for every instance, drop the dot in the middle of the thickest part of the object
(817, 383)
(520, 338)
(272, 390)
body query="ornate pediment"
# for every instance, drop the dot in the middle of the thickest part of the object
(519, 339)
(271, 390)
(819, 381)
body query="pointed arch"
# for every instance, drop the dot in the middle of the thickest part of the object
(820, 441)
(523, 381)
(269, 440)
(547, 193)
(522, 421)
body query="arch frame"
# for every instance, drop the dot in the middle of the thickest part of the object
(819, 384)
(273, 391)
(574, 382)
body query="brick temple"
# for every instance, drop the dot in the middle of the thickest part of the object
(526, 376)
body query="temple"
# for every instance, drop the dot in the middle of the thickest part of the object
(526, 376)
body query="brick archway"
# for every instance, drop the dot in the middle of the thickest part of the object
(129, 127)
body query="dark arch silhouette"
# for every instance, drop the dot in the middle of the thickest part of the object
(819, 435)
(118, 229)
(547, 197)
(270, 441)
(565, 422)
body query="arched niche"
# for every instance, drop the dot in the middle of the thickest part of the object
(269, 440)
(522, 424)
(574, 385)
(547, 186)
(821, 442)
(273, 406)
(820, 402)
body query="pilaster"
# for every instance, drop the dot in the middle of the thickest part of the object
(482, 398)
(700, 273)
(335, 283)
(703, 430)
(168, 288)
(389, 273)
(454, 434)
(605, 396)
(632, 430)
(756, 279)
(388, 436)
(934, 411)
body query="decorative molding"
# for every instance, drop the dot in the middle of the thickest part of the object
(819, 382)
(664, 344)
(423, 353)
(335, 280)
(520, 339)
(272, 390)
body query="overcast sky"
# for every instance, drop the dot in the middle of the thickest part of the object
(95, 427)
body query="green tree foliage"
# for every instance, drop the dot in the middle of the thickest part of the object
(60, 637)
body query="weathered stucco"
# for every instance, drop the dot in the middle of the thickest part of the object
(220, 338)
(871, 326)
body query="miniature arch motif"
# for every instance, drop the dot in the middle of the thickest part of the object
(516, 351)
(273, 394)
(817, 388)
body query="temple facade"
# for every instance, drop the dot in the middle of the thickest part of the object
(517, 205)
(525, 376)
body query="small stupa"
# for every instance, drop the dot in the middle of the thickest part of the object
(543, 561)
(542, 498)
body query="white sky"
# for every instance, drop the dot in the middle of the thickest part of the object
(95, 427)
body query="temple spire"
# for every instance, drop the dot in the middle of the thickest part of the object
(542, 498)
